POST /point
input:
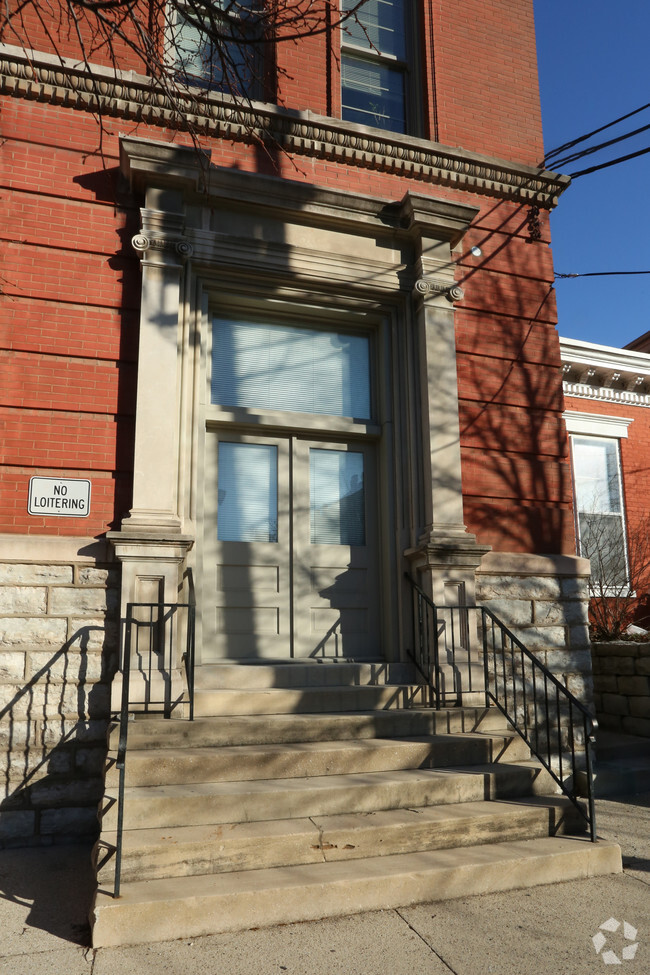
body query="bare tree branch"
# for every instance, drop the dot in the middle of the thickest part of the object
(188, 48)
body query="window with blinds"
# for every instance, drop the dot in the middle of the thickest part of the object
(269, 367)
(374, 65)
(336, 497)
(216, 45)
(247, 483)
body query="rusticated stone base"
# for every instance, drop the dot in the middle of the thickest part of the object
(544, 601)
(622, 686)
(58, 649)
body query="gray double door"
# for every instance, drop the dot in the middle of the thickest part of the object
(290, 548)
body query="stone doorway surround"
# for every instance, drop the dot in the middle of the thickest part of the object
(207, 232)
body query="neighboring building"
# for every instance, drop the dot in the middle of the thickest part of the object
(331, 330)
(607, 399)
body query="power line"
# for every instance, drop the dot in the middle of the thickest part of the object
(597, 274)
(601, 145)
(583, 138)
(612, 162)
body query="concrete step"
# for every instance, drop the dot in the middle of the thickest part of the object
(256, 675)
(152, 910)
(307, 700)
(153, 732)
(266, 799)
(181, 851)
(301, 759)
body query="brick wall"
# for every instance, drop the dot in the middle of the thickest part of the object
(68, 369)
(478, 65)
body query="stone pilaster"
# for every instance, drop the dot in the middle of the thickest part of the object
(446, 555)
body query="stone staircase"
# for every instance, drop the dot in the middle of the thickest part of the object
(307, 790)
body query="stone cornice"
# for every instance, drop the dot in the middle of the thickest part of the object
(46, 78)
(145, 162)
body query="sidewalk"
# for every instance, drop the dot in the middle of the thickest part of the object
(45, 897)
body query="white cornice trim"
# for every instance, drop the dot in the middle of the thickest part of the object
(605, 357)
(596, 424)
(42, 77)
(606, 395)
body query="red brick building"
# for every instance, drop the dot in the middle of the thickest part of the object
(607, 404)
(159, 300)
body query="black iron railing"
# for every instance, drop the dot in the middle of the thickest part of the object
(156, 638)
(556, 726)
(442, 649)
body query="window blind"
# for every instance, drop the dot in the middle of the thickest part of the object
(280, 367)
(247, 483)
(336, 497)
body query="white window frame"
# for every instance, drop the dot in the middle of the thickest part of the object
(606, 429)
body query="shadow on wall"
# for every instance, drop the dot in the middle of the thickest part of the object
(53, 734)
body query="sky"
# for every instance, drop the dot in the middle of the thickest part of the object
(594, 66)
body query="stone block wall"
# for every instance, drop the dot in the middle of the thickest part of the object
(544, 600)
(622, 685)
(58, 650)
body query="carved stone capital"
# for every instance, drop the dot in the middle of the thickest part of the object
(182, 249)
(430, 288)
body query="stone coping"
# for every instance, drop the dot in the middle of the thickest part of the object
(521, 563)
(54, 548)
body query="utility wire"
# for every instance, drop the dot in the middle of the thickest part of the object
(583, 138)
(612, 162)
(601, 145)
(597, 274)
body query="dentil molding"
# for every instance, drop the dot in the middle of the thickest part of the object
(43, 77)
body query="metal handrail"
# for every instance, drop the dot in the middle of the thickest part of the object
(160, 623)
(535, 703)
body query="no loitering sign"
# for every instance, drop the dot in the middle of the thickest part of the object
(62, 497)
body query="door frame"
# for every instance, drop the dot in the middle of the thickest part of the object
(356, 315)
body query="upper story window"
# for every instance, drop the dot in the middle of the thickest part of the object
(218, 45)
(375, 52)
(599, 510)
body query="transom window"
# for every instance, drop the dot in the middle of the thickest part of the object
(268, 367)
(374, 64)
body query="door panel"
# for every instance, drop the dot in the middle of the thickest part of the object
(290, 548)
(246, 548)
(335, 550)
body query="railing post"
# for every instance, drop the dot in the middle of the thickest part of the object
(121, 748)
(436, 655)
(589, 743)
(486, 667)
